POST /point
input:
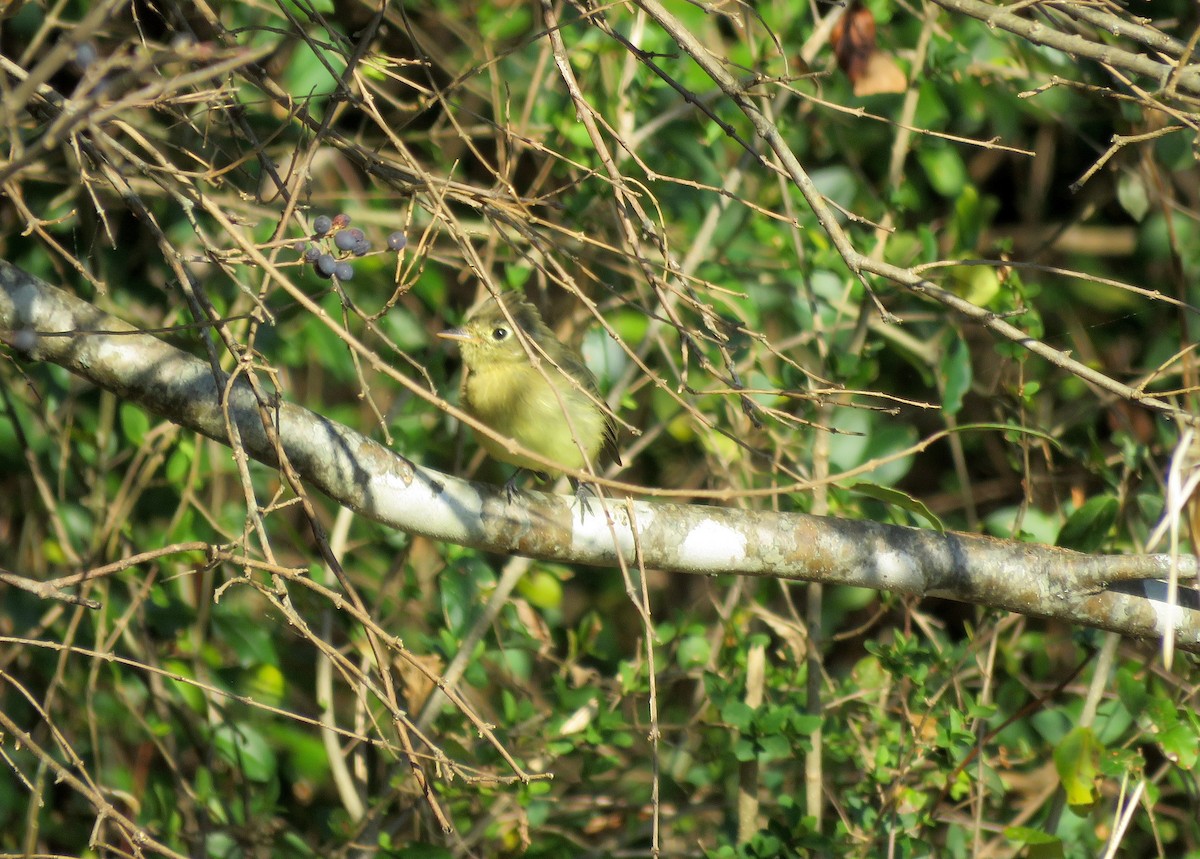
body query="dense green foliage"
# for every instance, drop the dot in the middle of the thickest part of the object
(171, 169)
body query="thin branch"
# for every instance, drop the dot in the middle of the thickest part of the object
(45, 590)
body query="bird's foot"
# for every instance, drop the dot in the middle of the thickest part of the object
(510, 487)
(583, 491)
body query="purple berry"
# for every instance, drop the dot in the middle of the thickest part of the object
(396, 241)
(344, 271)
(326, 265)
(322, 224)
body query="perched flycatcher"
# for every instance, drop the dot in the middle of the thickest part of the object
(551, 408)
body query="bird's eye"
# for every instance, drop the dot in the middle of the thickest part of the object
(499, 334)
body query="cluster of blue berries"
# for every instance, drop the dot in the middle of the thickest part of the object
(348, 243)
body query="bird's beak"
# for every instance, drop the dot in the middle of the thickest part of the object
(459, 334)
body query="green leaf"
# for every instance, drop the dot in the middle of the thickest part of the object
(1041, 844)
(745, 750)
(978, 284)
(945, 170)
(134, 423)
(805, 724)
(738, 715)
(865, 437)
(189, 692)
(776, 747)
(541, 588)
(1086, 530)
(899, 499)
(967, 216)
(955, 370)
(251, 642)
(1131, 193)
(179, 463)
(1076, 758)
(266, 684)
(1181, 743)
(838, 183)
(517, 275)
(245, 749)
(694, 651)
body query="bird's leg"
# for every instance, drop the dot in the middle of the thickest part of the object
(510, 487)
(582, 492)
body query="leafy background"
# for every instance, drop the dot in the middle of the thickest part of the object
(701, 716)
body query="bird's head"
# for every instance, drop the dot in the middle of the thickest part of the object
(488, 337)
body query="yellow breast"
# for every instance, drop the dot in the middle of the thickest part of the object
(521, 403)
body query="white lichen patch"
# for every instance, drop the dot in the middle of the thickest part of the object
(894, 571)
(592, 533)
(712, 545)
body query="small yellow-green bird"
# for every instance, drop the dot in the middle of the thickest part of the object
(546, 408)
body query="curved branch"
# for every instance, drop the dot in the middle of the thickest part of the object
(47, 324)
